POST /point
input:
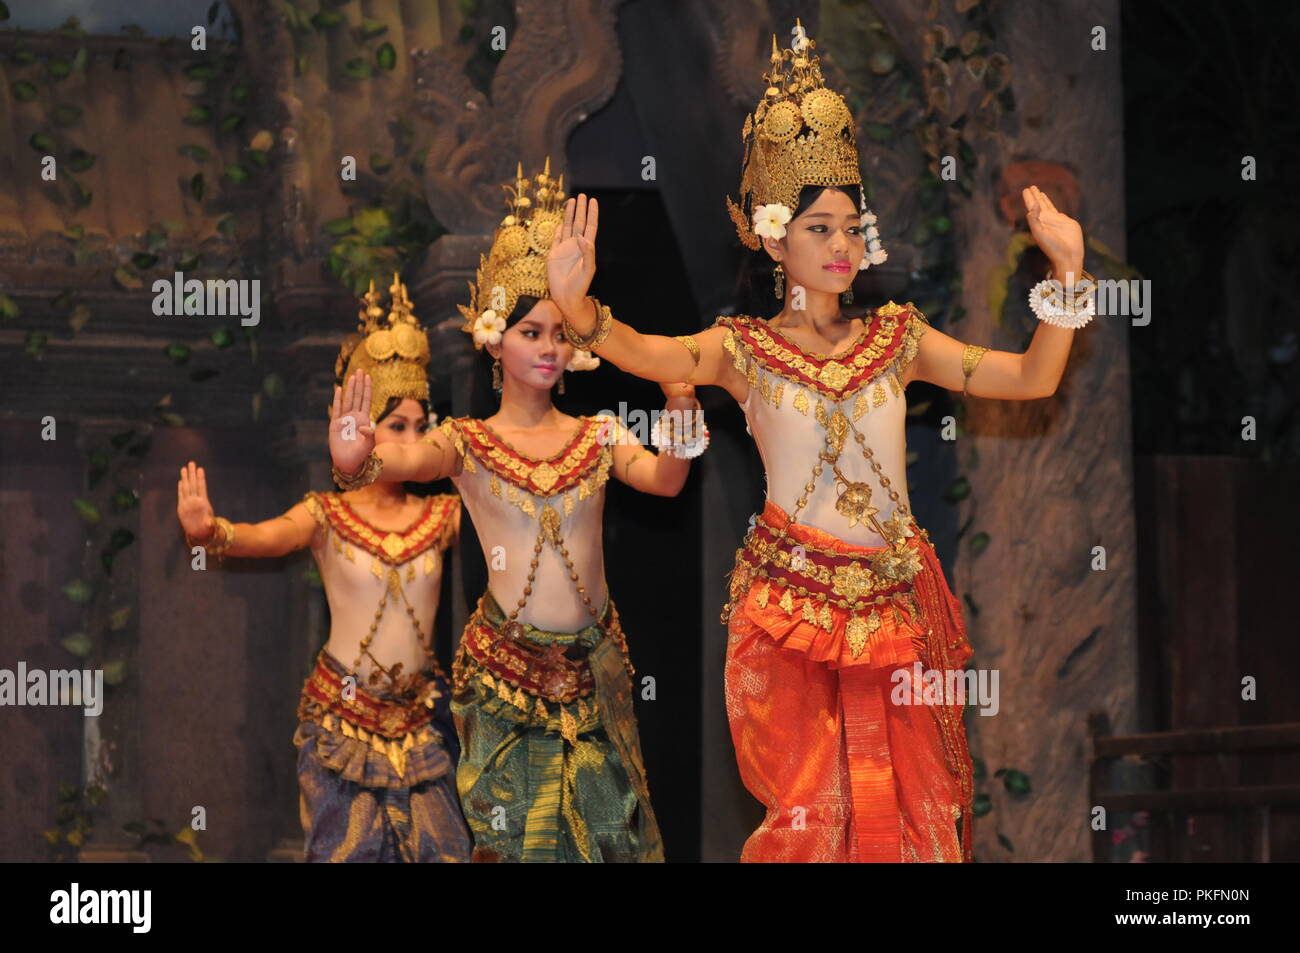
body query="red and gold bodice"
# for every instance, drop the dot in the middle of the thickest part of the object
(801, 405)
(520, 504)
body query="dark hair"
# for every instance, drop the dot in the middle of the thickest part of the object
(810, 193)
(394, 401)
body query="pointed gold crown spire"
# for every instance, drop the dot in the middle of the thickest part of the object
(393, 348)
(516, 263)
(800, 133)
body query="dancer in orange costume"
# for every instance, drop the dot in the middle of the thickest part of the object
(833, 601)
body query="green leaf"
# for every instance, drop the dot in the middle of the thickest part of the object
(34, 346)
(372, 224)
(123, 499)
(197, 186)
(312, 577)
(127, 279)
(918, 409)
(371, 28)
(982, 805)
(81, 160)
(358, 68)
(60, 67)
(957, 490)
(338, 226)
(78, 591)
(189, 262)
(178, 353)
(1005, 842)
(239, 93)
(417, 161)
(78, 643)
(200, 71)
(1017, 782)
(940, 224)
(86, 510)
(24, 91)
(198, 114)
(879, 132)
(326, 19)
(197, 153)
(386, 56)
(8, 309)
(978, 543)
(118, 619)
(273, 386)
(221, 337)
(144, 261)
(227, 224)
(231, 122)
(79, 60)
(258, 157)
(236, 174)
(43, 143)
(379, 164)
(78, 318)
(114, 672)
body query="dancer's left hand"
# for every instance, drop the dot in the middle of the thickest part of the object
(1059, 236)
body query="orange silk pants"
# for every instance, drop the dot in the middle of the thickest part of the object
(846, 773)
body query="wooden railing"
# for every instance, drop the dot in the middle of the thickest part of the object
(1238, 801)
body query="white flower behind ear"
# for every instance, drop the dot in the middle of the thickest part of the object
(770, 220)
(875, 254)
(582, 361)
(488, 328)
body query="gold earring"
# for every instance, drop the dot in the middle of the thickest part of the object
(846, 297)
(496, 373)
(561, 382)
(778, 276)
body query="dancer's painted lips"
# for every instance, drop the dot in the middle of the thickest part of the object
(839, 267)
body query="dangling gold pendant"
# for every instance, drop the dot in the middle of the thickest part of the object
(550, 520)
(854, 502)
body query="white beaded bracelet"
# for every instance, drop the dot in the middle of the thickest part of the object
(661, 438)
(1047, 300)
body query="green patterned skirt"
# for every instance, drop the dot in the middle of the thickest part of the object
(550, 766)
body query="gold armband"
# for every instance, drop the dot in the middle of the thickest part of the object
(971, 356)
(692, 345)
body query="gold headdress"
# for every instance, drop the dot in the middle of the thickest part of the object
(393, 350)
(516, 263)
(801, 133)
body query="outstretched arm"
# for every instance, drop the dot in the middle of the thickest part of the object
(286, 533)
(1003, 374)
(570, 266)
(352, 438)
(658, 474)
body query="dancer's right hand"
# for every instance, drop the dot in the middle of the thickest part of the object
(192, 506)
(352, 432)
(571, 261)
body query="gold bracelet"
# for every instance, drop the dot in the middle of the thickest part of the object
(1084, 276)
(971, 356)
(363, 477)
(604, 324)
(223, 537)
